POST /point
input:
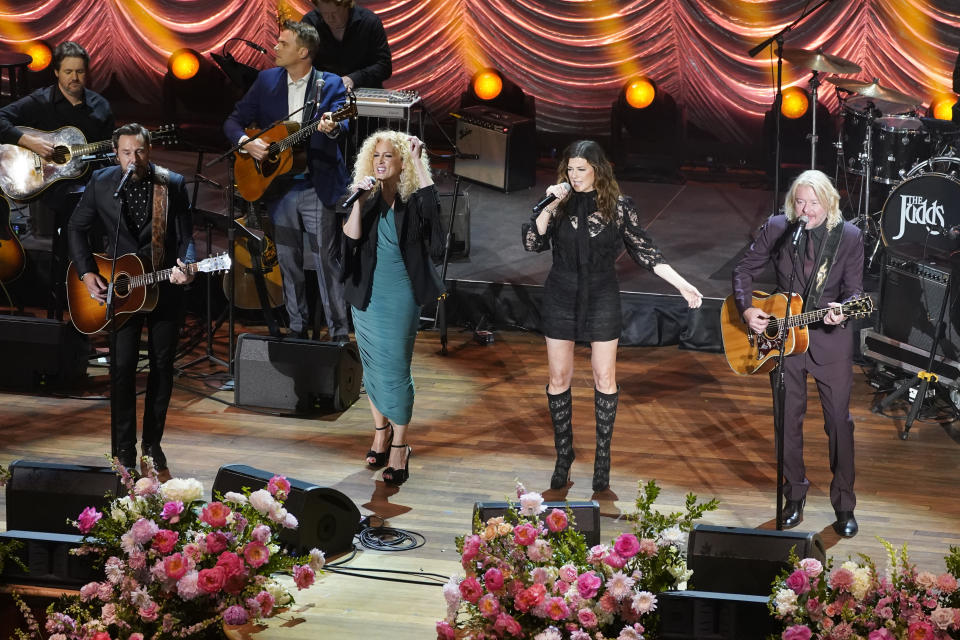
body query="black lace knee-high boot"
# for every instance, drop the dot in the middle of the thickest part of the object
(605, 405)
(561, 412)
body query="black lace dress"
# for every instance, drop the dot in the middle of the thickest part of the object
(581, 298)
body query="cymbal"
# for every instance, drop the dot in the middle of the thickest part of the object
(820, 61)
(874, 90)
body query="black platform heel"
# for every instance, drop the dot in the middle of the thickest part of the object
(380, 459)
(398, 476)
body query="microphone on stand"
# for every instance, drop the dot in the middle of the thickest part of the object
(540, 206)
(318, 89)
(126, 176)
(254, 45)
(356, 195)
(798, 232)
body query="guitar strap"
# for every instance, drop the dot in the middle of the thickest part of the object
(824, 262)
(161, 178)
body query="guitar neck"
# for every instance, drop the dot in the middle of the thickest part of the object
(156, 277)
(809, 317)
(77, 150)
(299, 136)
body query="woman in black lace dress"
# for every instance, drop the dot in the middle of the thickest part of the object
(581, 298)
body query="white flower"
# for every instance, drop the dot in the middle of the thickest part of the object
(786, 602)
(643, 602)
(114, 569)
(619, 585)
(680, 573)
(281, 596)
(629, 633)
(186, 490)
(317, 559)
(451, 593)
(531, 504)
(673, 536)
(550, 633)
(262, 501)
(290, 521)
(861, 582)
(234, 497)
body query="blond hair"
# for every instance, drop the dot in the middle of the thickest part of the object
(363, 166)
(823, 189)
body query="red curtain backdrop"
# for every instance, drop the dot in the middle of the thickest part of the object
(573, 56)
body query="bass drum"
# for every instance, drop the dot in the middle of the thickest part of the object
(947, 165)
(918, 214)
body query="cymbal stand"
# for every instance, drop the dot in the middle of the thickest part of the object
(864, 210)
(814, 84)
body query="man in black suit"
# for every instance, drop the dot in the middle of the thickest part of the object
(153, 216)
(353, 43)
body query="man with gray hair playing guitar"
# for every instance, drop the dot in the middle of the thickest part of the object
(829, 271)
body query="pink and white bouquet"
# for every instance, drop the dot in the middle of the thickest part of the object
(176, 566)
(855, 600)
(529, 574)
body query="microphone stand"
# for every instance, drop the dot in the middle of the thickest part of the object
(111, 322)
(778, 98)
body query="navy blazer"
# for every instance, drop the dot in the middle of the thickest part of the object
(266, 103)
(98, 204)
(845, 281)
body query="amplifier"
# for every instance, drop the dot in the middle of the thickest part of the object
(907, 358)
(501, 148)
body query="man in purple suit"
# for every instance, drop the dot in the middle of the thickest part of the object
(305, 202)
(829, 271)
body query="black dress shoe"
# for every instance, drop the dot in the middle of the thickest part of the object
(846, 525)
(792, 513)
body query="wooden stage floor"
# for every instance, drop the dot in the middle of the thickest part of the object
(480, 422)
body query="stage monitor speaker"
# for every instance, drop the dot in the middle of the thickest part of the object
(296, 375)
(41, 353)
(911, 293)
(328, 519)
(739, 560)
(586, 515)
(500, 148)
(48, 560)
(41, 496)
(707, 615)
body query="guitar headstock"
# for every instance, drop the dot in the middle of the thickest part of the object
(348, 110)
(213, 264)
(859, 307)
(167, 134)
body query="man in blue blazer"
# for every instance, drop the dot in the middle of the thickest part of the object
(304, 202)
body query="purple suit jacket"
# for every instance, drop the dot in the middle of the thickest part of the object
(845, 281)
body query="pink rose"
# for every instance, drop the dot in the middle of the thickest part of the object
(556, 520)
(557, 609)
(493, 578)
(174, 566)
(525, 534)
(530, 597)
(942, 617)
(587, 618)
(627, 545)
(588, 584)
(471, 590)
(148, 613)
(143, 530)
(165, 540)
(215, 514)
(256, 554)
(797, 632)
(261, 533)
(171, 511)
(216, 542)
(615, 560)
(211, 580)
(445, 631)
(303, 576)
(87, 518)
(506, 624)
(596, 553)
(648, 547)
(279, 487)
(811, 566)
(798, 582)
(881, 634)
(266, 602)
(101, 635)
(568, 573)
(489, 606)
(471, 547)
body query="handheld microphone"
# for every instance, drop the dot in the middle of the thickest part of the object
(355, 195)
(126, 176)
(540, 206)
(798, 232)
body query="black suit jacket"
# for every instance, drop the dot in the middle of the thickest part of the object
(98, 209)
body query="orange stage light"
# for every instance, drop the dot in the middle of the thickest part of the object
(795, 102)
(41, 54)
(184, 63)
(942, 106)
(487, 84)
(640, 93)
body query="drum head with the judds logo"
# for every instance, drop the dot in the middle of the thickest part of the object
(918, 217)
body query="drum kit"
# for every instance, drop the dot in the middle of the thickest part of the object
(884, 140)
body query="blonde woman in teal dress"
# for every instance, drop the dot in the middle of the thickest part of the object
(389, 276)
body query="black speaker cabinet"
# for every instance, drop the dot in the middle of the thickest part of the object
(707, 615)
(41, 496)
(500, 148)
(739, 560)
(586, 515)
(41, 353)
(328, 519)
(48, 560)
(296, 375)
(911, 293)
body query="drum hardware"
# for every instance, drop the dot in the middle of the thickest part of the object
(874, 90)
(947, 165)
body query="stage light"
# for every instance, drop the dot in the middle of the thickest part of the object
(640, 93)
(487, 84)
(41, 54)
(795, 103)
(184, 63)
(941, 107)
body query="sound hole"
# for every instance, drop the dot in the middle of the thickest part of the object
(61, 154)
(121, 286)
(771, 330)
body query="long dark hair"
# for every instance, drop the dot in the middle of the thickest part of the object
(608, 191)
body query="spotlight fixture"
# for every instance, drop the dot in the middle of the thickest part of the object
(795, 103)
(645, 130)
(184, 63)
(941, 107)
(41, 54)
(489, 87)
(640, 93)
(487, 84)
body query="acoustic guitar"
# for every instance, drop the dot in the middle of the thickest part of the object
(748, 353)
(24, 174)
(134, 289)
(255, 176)
(12, 257)
(253, 252)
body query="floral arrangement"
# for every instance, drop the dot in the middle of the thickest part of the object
(176, 566)
(854, 600)
(529, 574)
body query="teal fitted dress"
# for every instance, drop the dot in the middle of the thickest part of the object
(387, 328)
